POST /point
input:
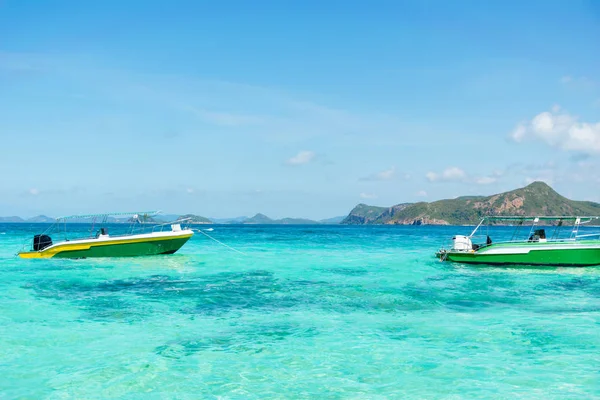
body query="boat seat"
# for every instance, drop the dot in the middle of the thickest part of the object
(102, 233)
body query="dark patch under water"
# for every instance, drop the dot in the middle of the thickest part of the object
(589, 285)
(211, 295)
(224, 293)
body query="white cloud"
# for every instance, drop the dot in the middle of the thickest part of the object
(543, 123)
(190, 190)
(519, 133)
(368, 196)
(431, 176)
(560, 130)
(421, 193)
(385, 175)
(485, 180)
(303, 157)
(267, 113)
(34, 192)
(455, 174)
(451, 174)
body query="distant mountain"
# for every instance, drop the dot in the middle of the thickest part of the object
(143, 218)
(195, 219)
(392, 213)
(295, 221)
(11, 219)
(264, 220)
(533, 200)
(363, 214)
(41, 218)
(332, 221)
(236, 220)
(166, 217)
(259, 219)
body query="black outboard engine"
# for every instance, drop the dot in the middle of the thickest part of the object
(40, 242)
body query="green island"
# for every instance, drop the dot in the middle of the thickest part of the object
(535, 199)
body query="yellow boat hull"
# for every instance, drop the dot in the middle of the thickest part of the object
(132, 246)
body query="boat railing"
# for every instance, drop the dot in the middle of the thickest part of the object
(60, 233)
(597, 234)
(160, 227)
(480, 238)
(484, 244)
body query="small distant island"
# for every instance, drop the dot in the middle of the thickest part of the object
(535, 199)
(258, 219)
(194, 219)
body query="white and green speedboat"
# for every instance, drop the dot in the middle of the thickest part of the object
(138, 238)
(542, 241)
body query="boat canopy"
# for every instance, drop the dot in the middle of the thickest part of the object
(118, 214)
(520, 219)
(538, 218)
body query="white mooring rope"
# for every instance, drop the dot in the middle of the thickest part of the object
(221, 243)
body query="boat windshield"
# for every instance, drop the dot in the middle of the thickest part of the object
(535, 229)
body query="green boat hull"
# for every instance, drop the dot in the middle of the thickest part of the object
(526, 254)
(156, 247)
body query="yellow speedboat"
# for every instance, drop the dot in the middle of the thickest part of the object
(102, 244)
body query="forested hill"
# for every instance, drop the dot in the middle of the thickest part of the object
(533, 200)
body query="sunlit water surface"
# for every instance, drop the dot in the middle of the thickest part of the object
(308, 312)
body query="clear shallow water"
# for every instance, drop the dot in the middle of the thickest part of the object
(336, 312)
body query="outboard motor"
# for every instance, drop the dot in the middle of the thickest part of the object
(461, 243)
(40, 242)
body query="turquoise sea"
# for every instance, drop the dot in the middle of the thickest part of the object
(308, 312)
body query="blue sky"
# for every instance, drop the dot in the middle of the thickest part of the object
(293, 108)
